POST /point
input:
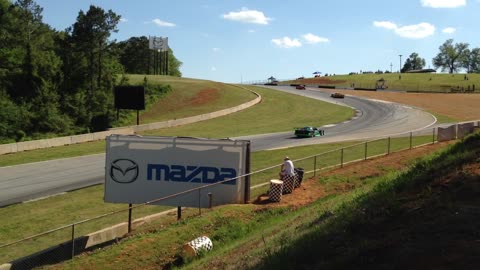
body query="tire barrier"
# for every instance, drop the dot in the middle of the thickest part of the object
(288, 183)
(276, 190)
(197, 246)
(299, 177)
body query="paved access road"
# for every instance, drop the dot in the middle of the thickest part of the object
(373, 119)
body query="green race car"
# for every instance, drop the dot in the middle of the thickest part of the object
(309, 132)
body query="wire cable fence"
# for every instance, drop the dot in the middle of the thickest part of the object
(65, 242)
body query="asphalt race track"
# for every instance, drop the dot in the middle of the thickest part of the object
(373, 119)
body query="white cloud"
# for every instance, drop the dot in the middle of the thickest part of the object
(215, 49)
(247, 16)
(287, 42)
(449, 30)
(312, 39)
(213, 69)
(443, 3)
(163, 23)
(251, 31)
(385, 24)
(415, 31)
(123, 20)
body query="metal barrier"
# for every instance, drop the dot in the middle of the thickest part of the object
(65, 242)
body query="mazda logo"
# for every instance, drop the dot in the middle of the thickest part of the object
(124, 171)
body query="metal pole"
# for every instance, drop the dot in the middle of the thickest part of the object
(160, 62)
(73, 241)
(199, 207)
(138, 117)
(148, 62)
(179, 212)
(154, 62)
(388, 151)
(341, 159)
(433, 138)
(366, 150)
(247, 178)
(210, 200)
(166, 62)
(411, 135)
(400, 70)
(315, 166)
(129, 217)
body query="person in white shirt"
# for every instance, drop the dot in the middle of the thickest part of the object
(287, 168)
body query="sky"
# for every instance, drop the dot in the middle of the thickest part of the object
(238, 41)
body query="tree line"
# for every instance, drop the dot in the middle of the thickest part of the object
(452, 58)
(61, 82)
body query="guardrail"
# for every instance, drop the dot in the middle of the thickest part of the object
(72, 239)
(68, 140)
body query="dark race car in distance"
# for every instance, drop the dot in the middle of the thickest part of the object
(337, 95)
(308, 132)
(300, 87)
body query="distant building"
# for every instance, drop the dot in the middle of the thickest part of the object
(425, 70)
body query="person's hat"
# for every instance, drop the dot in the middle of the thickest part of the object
(286, 158)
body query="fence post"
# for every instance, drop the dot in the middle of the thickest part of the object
(341, 159)
(433, 137)
(210, 200)
(411, 134)
(73, 240)
(199, 202)
(129, 217)
(366, 149)
(388, 150)
(315, 166)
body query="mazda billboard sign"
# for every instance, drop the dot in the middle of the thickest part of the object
(142, 169)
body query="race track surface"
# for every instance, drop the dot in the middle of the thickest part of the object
(373, 119)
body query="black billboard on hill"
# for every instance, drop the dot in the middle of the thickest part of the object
(130, 97)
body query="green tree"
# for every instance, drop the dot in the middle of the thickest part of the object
(136, 57)
(451, 56)
(174, 64)
(91, 59)
(413, 62)
(90, 34)
(471, 61)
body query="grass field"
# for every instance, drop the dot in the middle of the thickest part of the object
(421, 82)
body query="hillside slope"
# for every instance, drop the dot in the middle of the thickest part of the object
(426, 218)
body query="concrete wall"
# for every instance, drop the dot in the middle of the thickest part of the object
(464, 129)
(447, 134)
(60, 141)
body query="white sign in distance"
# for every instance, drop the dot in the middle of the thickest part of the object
(143, 169)
(158, 43)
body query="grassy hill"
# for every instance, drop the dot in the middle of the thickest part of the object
(422, 82)
(189, 97)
